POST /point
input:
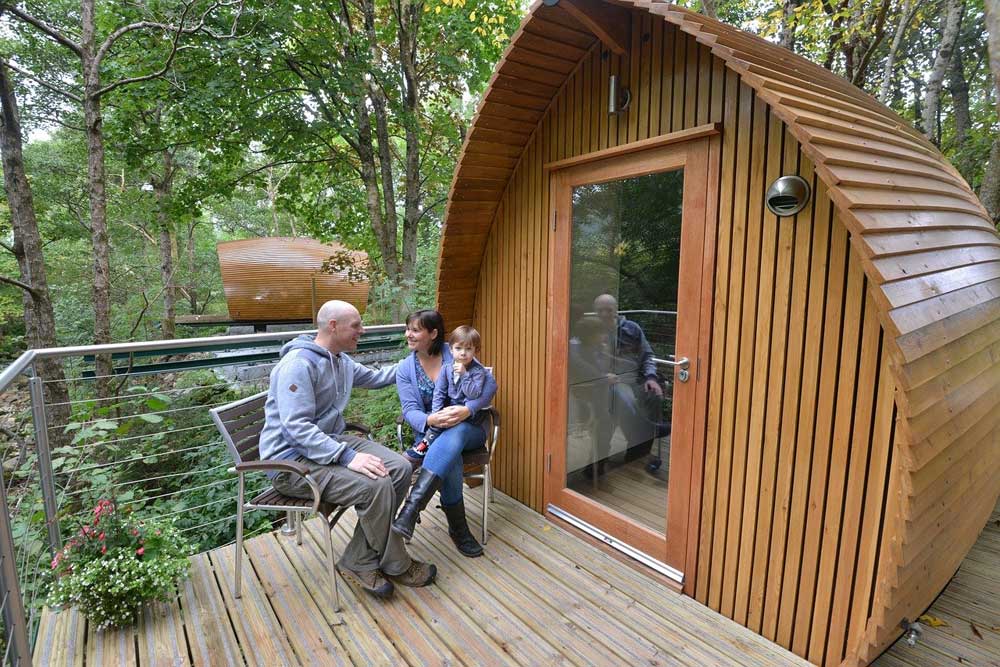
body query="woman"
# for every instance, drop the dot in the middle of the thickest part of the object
(442, 466)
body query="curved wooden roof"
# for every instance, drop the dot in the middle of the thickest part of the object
(912, 217)
(930, 251)
(272, 278)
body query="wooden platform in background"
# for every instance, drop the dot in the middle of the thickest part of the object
(970, 605)
(539, 596)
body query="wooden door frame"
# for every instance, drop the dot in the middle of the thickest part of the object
(699, 156)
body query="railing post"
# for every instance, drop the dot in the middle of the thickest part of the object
(44, 461)
(13, 611)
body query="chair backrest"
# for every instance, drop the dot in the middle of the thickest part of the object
(240, 424)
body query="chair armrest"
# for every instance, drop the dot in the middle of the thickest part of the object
(360, 428)
(400, 420)
(274, 465)
(288, 465)
(494, 414)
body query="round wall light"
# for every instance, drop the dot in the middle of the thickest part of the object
(787, 196)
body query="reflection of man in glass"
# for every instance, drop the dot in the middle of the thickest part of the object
(629, 345)
(635, 395)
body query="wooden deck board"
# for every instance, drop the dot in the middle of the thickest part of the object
(540, 596)
(971, 600)
(201, 600)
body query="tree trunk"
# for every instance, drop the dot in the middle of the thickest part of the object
(932, 98)
(408, 30)
(993, 45)
(163, 187)
(39, 318)
(905, 16)
(98, 196)
(918, 108)
(192, 286)
(959, 89)
(989, 192)
(787, 35)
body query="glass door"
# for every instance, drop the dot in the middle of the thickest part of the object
(625, 312)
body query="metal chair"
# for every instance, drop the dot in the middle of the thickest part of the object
(477, 463)
(240, 424)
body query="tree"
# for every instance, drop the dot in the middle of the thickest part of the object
(990, 191)
(935, 81)
(360, 91)
(39, 319)
(123, 45)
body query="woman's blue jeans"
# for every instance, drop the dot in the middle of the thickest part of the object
(444, 458)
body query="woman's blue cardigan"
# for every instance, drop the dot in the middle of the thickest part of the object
(409, 394)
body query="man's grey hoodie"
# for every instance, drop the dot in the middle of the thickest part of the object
(309, 390)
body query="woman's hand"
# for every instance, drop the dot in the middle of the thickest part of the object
(449, 416)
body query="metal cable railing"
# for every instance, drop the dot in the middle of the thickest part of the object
(151, 447)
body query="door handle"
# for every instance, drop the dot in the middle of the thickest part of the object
(682, 364)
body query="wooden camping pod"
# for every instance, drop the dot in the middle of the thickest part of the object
(279, 278)
(849, 452)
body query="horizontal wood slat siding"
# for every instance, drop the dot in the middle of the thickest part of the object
(850, 466)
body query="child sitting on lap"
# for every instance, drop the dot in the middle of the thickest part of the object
(467, 380)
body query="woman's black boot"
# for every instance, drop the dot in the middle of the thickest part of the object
(421, 492)
(458, 529)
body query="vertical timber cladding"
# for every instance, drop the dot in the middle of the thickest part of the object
(801, 407)
(800, 398)
(675, 84)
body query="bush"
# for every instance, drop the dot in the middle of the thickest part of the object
(117, 563)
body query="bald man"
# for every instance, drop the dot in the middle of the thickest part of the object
(310, 387)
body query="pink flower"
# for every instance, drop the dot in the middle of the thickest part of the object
(140, 551)
(101, 537)
(135, 532)
(85, 530)
(104, 548)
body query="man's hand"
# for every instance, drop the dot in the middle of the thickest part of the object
(653, 387)
(368, 464)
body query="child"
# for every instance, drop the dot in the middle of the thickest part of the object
(466, 381)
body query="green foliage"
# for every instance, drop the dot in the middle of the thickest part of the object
(377, 409)
(115, 564)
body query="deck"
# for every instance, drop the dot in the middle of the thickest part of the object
(970, 608)
(539, 596)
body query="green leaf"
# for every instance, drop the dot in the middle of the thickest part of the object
(151, 418)
(105, 425)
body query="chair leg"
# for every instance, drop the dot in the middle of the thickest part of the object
(487, 494)
(332, 564)
(298, 528)
(239, 538)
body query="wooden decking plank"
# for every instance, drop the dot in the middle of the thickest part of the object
(359, 633)
(456, 631)
(310, 635)
(60, 638)
(520, 641)
(405, 629)
(253, 619)
(111, 647)
(971, 597)
(210, 635)
(160, 634)
(703, 623)
(661, 631)
(530, 607)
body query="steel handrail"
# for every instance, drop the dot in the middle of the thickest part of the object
(23, 362)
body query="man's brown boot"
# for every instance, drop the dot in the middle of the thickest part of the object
(371, 580)
(418, 574)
